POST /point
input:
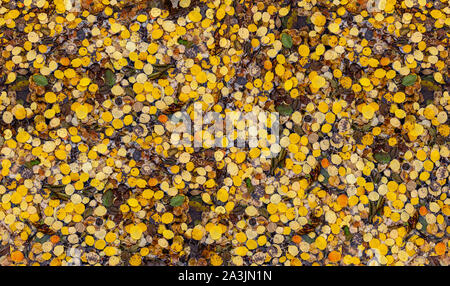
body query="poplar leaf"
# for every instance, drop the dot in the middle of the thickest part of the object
(177, 201)
(110, 77)
(286, 40)
(107, 198)
(40, 80)
(409, 80)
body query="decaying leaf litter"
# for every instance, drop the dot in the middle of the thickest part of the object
(89, 175)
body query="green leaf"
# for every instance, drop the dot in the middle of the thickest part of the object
(423, 222)
(40, 80)
(307, 238)
(177, 201)
(32, 163)
(409, 80)
(347, 233)
(380, 205)
(157, 75)
(286, 40)
(250, 187)
(325, 174)
(284, 109)
(59, 195)
(107, 198)
(110, 77)
(43, 239)
(54, 187)
(382, 157)
(185, 43)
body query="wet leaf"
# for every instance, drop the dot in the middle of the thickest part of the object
(131, 249)
(298, 129)
(363, 128)
(54, 187)
(162, 67)
(376, 177)
(430, 84)
(197, 198)
(157, 75)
